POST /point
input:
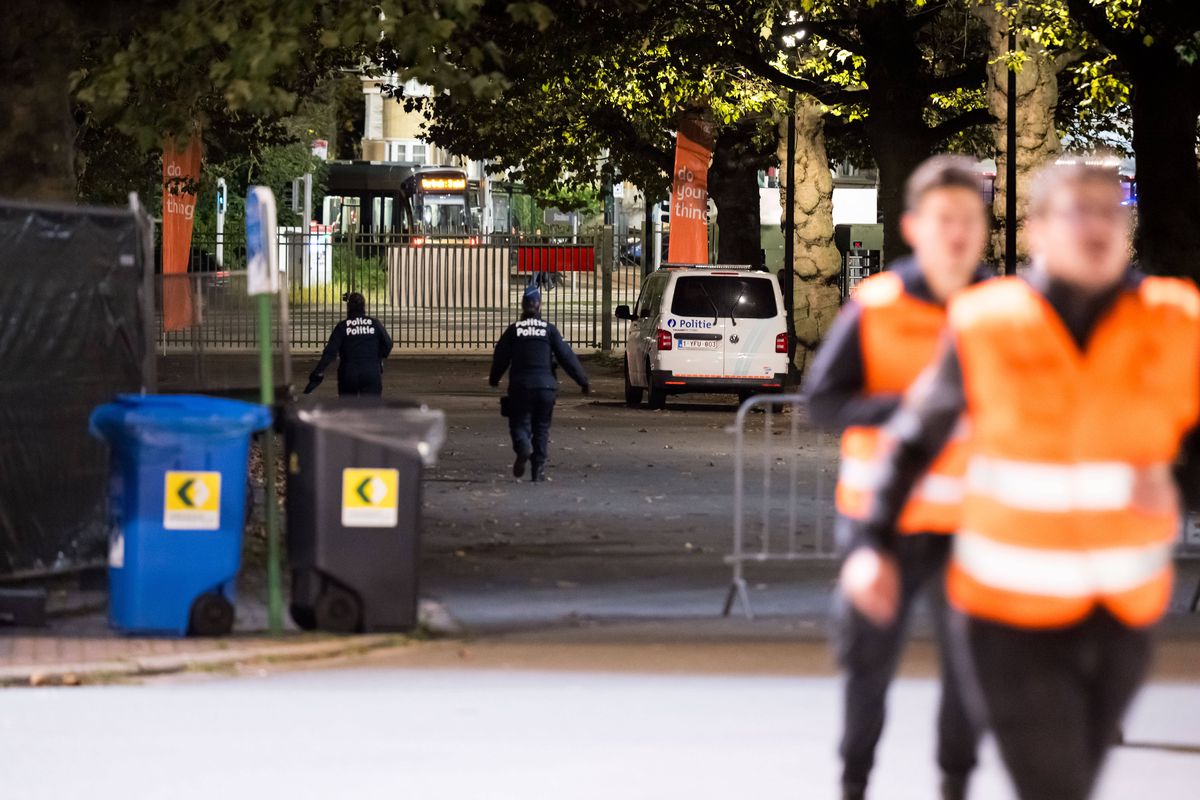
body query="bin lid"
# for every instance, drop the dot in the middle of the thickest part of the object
(177, 413)
(399, 424)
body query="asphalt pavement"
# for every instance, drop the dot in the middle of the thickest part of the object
(634, 522)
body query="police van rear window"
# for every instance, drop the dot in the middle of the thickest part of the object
(721, 296)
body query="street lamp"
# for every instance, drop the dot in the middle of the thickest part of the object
(791, 42)
(1010, 165)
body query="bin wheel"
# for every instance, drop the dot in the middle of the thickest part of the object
(338, 610)
(304, 617)
(212, 615)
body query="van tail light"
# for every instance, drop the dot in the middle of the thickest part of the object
(417, 241)
(781, 343)
(664, 339)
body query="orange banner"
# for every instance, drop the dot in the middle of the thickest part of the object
(181, 175)
(689, 193)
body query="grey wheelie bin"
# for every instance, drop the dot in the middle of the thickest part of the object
(353, 506)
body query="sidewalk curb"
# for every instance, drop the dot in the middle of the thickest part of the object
(99, 672)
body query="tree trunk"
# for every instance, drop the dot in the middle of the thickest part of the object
(1165, 108)
(895, 126)
(896, 156)
(816, 296)
(1037, 136)
(733, 187)
(36, 56)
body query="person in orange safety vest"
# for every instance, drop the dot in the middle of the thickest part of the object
(1081, 380)
(884, 337)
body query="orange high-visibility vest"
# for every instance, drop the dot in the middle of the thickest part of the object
(899, 336)
(1049, 530)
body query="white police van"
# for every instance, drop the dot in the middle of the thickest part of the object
(712, 329)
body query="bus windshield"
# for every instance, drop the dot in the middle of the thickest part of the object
(444, 215)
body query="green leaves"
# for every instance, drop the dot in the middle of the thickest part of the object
(260, 56)
(538, 14)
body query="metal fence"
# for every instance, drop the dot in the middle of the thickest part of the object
(430, 293)
(202, 315)
(783, 507)
(783, 497)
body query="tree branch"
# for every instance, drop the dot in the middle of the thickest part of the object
(624, 131)
(1069, 58)
(835, 31)
(925, 16)
(965, 120)
(1122, 44)
(839, 126)
(828, 94)
(972, 74)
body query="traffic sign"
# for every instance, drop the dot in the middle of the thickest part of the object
(262, 257)
(222, 196)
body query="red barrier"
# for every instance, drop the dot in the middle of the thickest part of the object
(556, 258)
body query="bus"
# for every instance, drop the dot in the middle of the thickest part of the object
(371, 197)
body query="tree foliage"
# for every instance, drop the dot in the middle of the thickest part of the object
(149, 68)
(901, 79)
(198, 58)
(1156, 43)
(597, 94)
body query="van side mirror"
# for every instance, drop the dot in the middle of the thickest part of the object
(623, 312)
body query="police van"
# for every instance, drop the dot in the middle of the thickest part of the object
(712, 329)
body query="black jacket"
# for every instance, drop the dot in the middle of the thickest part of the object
(530, 349)
(359, 344)
(833, 385)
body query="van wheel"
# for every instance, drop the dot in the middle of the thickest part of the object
(633, 394)
(656, 396)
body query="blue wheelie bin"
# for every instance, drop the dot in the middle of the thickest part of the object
(177, 509)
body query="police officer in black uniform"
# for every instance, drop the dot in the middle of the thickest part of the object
(359, 343)
(531, 347)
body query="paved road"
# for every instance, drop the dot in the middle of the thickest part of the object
(634, 523)
(498, 730)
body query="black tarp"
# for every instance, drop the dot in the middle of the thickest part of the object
(72, 336)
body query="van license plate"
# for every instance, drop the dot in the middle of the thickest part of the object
(699, 344)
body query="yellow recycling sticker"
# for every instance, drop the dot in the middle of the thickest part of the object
(192, 501)
(370, 498)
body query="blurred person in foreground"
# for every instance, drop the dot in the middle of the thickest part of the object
(1080, 380)
(359, 343)
(884, 337)
(529, 350)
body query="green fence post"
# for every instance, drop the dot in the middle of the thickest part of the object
(607, 254)
(274, 582)
(262, 279)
